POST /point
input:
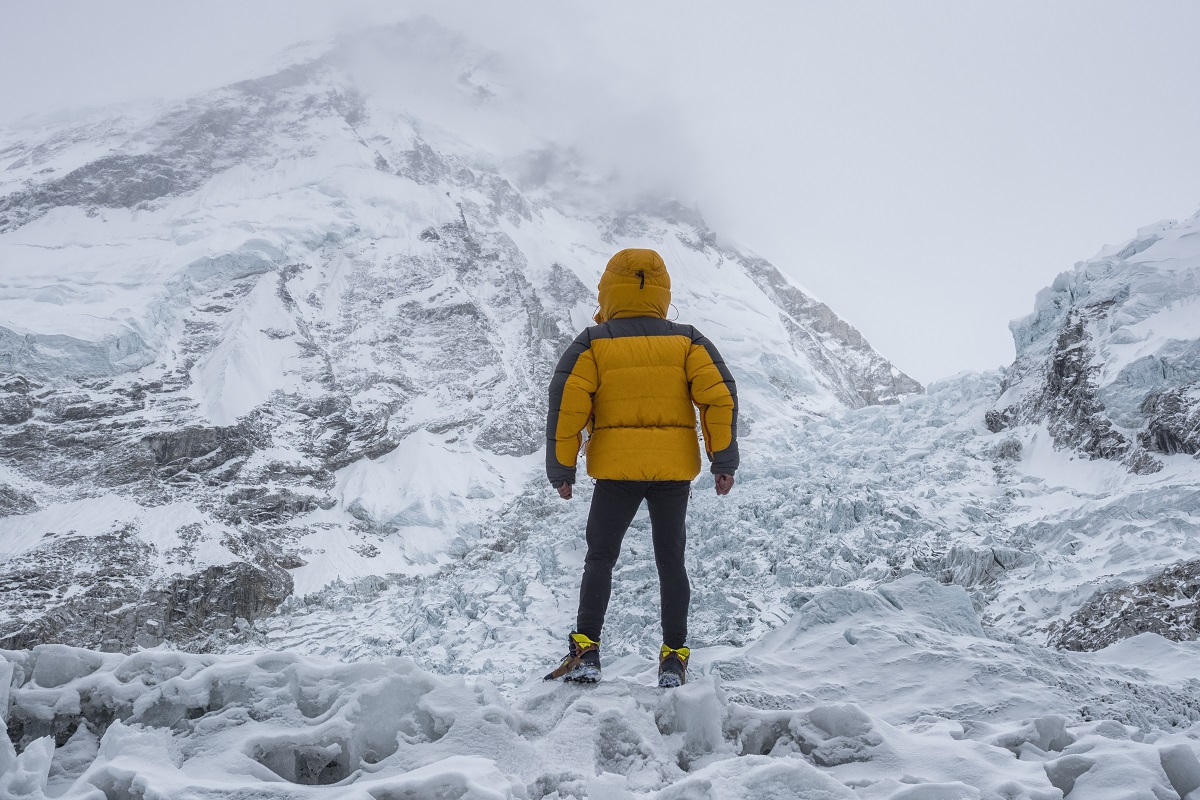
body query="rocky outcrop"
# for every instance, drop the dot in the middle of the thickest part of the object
(261, 504)
(100, 592)
(15, 409)
(1173, 424)
(861, 376)
(197, 449)
(366, 350)
(1167, 604)
(1068, 396)
(1108, 361)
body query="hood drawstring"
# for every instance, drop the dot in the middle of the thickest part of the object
(635, 283)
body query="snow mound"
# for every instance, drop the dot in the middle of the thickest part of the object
(890, 694)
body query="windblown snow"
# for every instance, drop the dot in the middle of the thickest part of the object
(273, 525)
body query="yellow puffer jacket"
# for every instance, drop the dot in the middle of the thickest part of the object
(635, 381)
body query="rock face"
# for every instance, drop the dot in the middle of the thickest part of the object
(1109, 361)
(291, 390)
(861, 378)
(290, 333)
(202, 611)
(1167, 604)
(1174, 420)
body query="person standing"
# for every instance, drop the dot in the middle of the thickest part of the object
(634, 381)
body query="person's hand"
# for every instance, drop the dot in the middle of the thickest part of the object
(724, 484)
(564, 490)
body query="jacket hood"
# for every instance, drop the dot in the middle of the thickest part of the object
(634, 284)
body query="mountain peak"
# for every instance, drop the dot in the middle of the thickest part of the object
(269, 302)
(1109, 359)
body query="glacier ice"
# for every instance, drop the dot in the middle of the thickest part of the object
(274, 365)
(911, 708)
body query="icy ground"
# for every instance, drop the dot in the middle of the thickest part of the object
(895, 693)
(849, 501)
(321, 343)
(291, 340)
(825, 666)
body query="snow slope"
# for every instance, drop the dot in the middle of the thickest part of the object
(838, 703)
(327, 320)
(1110, 358)
(272, 375)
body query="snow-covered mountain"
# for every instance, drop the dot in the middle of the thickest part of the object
(289, 333)
(1110, 358)
(274, 364)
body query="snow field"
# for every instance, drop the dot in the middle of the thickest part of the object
(159, 526)
(848, 501)
(336, 256)
(890, 694)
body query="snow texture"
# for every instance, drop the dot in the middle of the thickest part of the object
(322, 326)
(895, 693)
(272, 395)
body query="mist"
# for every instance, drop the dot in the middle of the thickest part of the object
(924, 168)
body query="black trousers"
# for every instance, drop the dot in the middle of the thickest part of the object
(614, 504)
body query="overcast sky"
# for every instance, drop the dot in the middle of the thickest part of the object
(922, 167)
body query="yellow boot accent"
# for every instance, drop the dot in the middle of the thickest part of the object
(584, 642)
(682, 652)
(669, 678)
(580, 644)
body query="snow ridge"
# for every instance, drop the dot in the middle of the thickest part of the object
(327, 324)
(1110, 357)
(274, 365)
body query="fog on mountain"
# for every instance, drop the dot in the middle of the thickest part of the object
(273, 522)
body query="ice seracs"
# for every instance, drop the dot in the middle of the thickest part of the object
(324, 314)
(1109, 360)
(841, 702)
(274, 371)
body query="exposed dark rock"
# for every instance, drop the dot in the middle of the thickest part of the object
(116, 181)
(70, 589)
(15, 409)
(17, 384)
(198, 449)
(1174, 420)
(514, 436)
(565, 288)
(1167, 604)
(24, 442)
(260, 504)
(13, 501)
(997, 421)
(1066, 396)
(77, 408)
(1101, 365)
(423, 164)
(1070, 403)
(119, 607)
(325, 406)
(192, 607)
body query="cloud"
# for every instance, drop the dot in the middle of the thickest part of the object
(924, 167)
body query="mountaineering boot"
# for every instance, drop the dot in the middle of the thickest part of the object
(582, 662)
(672, 666)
